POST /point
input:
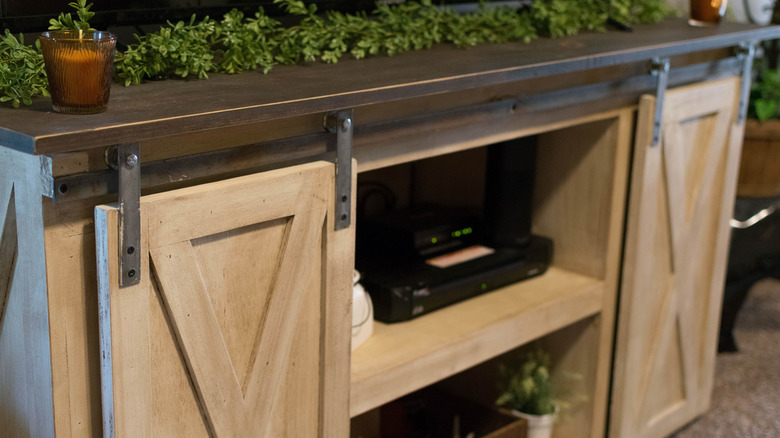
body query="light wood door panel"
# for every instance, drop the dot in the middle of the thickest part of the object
(677, 238)
(241, 306)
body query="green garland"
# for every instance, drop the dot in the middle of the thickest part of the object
(22, 73)
(238, 43)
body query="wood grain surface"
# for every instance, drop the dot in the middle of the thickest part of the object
(676, 248)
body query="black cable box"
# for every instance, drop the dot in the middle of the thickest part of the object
(419, 232)
(407, 288)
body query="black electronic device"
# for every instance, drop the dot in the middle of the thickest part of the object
(421, 259)
(509, 187)
(402, 289)
(419, 232)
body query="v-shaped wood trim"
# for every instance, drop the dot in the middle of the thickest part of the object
(659, 342)
(226, 406)
(677, 184)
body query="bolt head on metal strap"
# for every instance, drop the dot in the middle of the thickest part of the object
(129, 213)
(340, 123)
(346, 124)
(659, 64)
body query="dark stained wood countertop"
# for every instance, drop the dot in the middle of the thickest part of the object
(157, 109)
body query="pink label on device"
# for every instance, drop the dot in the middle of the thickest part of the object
(460, 256)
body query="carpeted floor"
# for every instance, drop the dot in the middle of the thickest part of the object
(746, 395)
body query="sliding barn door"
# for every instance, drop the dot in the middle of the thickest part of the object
(682, 196)
(240, 326)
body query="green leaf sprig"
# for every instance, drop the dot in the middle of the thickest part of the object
(22, 72)
(246, 44)
(765, 96)
(180, 49)
(304, 41)
(527, 387)
(65, 21)
(490, 25)
(559, 18)
(640, 11)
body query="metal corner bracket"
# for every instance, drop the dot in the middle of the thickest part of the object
(129, 169)
(341, 123)
(746, 52)
(659, 67)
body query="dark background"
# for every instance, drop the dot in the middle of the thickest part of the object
(34, 15)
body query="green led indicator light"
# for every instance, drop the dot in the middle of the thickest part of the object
(484, 286)
(463, 232)
(434, 240)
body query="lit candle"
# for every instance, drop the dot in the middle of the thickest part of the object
(706, 12)
(82, 76)
(79, 66)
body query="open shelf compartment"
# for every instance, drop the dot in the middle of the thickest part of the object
(579, 202)
(403, 357)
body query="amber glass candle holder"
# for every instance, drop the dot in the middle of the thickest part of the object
(79, 65)
(706, 12)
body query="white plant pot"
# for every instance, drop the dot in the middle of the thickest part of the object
(539, 426)
(362, 313)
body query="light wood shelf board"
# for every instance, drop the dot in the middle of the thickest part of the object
(403, 357)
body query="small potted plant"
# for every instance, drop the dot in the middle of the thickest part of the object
(526, 390)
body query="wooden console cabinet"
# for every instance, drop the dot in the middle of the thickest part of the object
(239, 324)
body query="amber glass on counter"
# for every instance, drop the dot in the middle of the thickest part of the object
(706, 12)
(79, 65)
